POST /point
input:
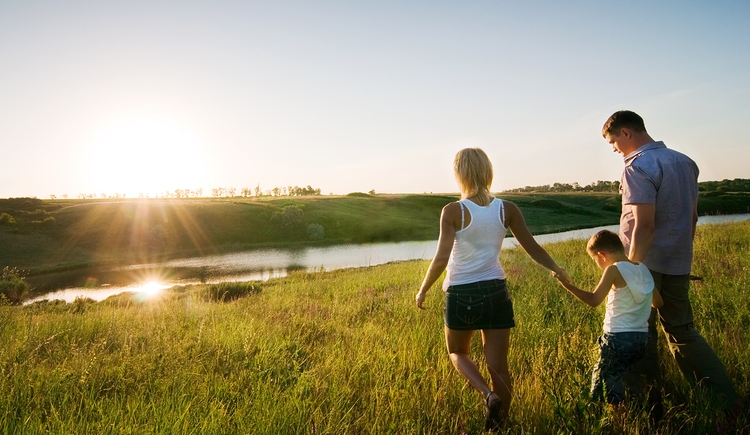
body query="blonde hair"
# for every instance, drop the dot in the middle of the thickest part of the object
(473, 171)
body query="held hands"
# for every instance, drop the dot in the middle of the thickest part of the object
(562, 276)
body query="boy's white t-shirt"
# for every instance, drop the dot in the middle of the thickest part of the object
(629, 307)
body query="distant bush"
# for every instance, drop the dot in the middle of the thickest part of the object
(6, 219)
(124, 299)
(316, 232)
(359, 195)
(47, 221)
(80, 303)
(13, 286)
(38, 213)
(228, 291)
(291, 215)
(21, 204)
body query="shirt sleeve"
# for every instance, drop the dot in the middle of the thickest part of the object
(638, 186)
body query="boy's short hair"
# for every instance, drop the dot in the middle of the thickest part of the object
(605, 241)
(623, 119)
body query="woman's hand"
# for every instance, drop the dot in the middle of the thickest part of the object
(419, 298)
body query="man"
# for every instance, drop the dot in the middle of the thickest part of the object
(659, 213)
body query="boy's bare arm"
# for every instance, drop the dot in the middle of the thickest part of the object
(601, 291)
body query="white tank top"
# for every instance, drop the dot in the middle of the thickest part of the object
(629, 307)
(476, 249)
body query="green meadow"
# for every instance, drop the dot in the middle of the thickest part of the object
(345, 352)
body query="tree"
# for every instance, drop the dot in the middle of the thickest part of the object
(291, 215)
(13, 286)
(7, 219)
(316, 232)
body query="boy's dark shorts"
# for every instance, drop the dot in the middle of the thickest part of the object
(618, 352)
(479, 305)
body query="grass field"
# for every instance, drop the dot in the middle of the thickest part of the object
(343, 352)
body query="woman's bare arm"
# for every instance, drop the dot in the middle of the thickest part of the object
(448, 218)
(515, 222)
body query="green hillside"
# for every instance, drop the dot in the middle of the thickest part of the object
(43, 235)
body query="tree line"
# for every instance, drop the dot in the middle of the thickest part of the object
(726, 185)
(218, 192)
(598, 186)
(735, 185)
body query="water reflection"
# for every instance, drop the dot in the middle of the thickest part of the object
(261, 265)
(148, 290)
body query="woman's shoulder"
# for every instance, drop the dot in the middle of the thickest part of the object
(509, 206)
(452, 207)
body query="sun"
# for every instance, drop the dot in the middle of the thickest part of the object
(144, 154)
(151, 288)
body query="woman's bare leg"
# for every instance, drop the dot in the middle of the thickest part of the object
(496, 343)
(458, 343)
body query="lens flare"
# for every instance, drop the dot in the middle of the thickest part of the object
(151, 288)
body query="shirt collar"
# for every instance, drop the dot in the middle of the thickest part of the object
(645, 147)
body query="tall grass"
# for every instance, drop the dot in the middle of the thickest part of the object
(342, 352)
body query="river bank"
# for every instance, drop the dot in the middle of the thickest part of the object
(67, 235)
(261, 265)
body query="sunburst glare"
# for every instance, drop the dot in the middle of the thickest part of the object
(151, 288)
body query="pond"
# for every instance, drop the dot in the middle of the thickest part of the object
(260, 265)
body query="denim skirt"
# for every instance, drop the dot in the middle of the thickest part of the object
(479, 305)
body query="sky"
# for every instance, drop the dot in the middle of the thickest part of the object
(144, 97)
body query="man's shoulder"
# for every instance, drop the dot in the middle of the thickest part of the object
(658, 155)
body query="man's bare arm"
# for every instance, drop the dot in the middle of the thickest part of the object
(643, 231)
(695, 219)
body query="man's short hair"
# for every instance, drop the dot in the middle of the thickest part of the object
(605, 241)
(623, 119)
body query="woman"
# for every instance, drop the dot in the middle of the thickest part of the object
(471, 234)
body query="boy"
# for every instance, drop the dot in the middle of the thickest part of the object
(629, 289)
